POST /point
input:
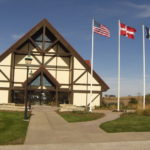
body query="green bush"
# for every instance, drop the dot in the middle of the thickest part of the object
(145, 112)
(147, 98)
(110, 106)
(133, 101)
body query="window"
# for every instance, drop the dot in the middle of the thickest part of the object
(36, 81)
(43, 41)
(46, 82)
(39, 80)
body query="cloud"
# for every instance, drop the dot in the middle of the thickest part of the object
(16, 36)
(143, 10)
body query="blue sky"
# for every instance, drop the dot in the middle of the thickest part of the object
(73, 18)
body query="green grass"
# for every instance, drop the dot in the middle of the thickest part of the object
(80, 116)
(12, 128)
(128, 123)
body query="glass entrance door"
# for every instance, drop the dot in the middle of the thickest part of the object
(42, 97)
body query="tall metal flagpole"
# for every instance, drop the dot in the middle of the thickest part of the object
(144, 87)
(118, 101)
(92, 54)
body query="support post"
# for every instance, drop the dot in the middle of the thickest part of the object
(57, 102)
(26, 97)
(144, 83)
(118, 100)
(92, 54)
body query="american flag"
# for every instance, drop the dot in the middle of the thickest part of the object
(101, 29)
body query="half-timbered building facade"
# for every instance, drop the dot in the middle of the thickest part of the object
(57, 74)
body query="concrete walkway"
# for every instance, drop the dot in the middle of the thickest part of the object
(47, 127)
(136, 145)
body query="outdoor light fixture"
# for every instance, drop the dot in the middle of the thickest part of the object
(28, 61)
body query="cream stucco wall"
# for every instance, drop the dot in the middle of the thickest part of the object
(77, 64)
(4, 84)
(4, 96)
(95, 88)
(2, 77)
(77, 73)
(93, 79)
(17, 85)
(64, 61)
(63, 77)
(52, 72)
(80, 87)
(35, 62)
(6, 70)
(6, 61)
(64, 86)
(83, 79)
(52, 62)
(80, 99)
(20, 75)
(95, 99)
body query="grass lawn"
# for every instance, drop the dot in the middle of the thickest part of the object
(12, 128)
(128, 123)
(80, 116)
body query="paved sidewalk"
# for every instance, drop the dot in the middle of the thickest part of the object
(47, 127)
(136, 145)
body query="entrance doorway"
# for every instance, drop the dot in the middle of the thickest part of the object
(42, 97)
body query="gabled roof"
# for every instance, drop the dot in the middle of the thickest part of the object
(44, 22)
(46, 73)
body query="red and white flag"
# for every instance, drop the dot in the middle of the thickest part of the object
(127, 31)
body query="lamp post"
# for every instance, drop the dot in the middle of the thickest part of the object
(30, 75)
(28, 61)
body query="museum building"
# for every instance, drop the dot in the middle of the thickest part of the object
(57, 73)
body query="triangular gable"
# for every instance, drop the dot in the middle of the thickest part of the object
(59, 38)
(46, 73)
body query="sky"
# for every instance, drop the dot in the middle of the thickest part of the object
(73, 20)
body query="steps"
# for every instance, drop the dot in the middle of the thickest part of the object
(69, 107)
(10, 107)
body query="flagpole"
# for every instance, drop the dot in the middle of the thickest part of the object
(92, 54)
(118, 100)
(144, 83)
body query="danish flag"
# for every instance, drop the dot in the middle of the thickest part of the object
(127, 31)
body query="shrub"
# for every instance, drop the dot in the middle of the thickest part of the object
(133, 101)
(147, 98)
(145, 112)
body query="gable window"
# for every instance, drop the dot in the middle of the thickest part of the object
(36, 81)
(41, 80)
(46, 82)
(43, 40)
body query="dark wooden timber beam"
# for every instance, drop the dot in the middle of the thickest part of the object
(4, 75)
(79, 77)
(51, 46)
(35, 45)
